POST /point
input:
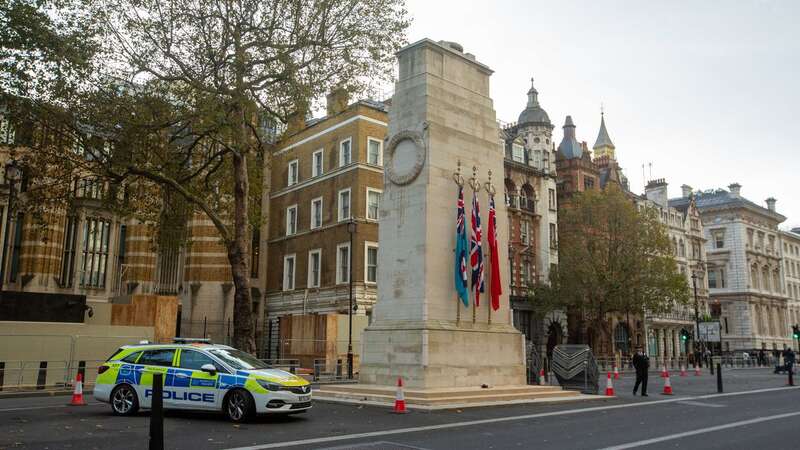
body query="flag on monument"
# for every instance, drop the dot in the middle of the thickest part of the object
(495, 290)
(462, 284)
(476, 253)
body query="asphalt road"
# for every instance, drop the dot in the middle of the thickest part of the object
(756, 410)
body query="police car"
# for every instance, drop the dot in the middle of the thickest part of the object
(199, 376)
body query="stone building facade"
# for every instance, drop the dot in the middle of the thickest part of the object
(790, 241)
(745, 270)
(530, 196)
(326, 182)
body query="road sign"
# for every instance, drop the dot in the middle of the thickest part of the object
(709, 331)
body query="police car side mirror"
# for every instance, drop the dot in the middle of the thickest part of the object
(209, 368)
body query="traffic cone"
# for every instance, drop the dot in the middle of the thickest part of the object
(664, 373)
(77, 393)
(697, 372)
(399, 399)
(667, 386)
(616, 372)
(609, 386)
(541, 377)
(683, 370)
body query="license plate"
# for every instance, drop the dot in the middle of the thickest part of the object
(304, 398)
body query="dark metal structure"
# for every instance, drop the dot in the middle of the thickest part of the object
(575, 368)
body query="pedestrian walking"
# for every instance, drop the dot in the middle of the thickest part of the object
(641, 363)
(788, 358)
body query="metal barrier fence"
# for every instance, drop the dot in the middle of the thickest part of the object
(625, 364)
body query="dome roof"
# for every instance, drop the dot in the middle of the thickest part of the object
(533, 112)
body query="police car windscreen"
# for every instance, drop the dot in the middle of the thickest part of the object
(238, 359)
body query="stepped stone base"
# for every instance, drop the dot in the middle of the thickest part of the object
(444, 398)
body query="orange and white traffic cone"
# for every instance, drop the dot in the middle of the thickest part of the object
(664, 373)
(667, 386)
(616, 372)
(399, 399)
(541, 377)
(609, 386)
(683, 370)
(77, 393)
(697, 372)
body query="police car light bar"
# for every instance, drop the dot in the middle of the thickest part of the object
(183, 340)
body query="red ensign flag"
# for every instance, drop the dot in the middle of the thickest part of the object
(496, 288)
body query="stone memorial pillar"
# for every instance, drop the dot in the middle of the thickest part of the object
(440, 114)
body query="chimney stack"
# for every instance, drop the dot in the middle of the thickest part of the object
(656, 191)
(771, 204)
(686, 190)
(735, 189)
(337, 101)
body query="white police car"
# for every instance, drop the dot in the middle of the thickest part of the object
(199, 376)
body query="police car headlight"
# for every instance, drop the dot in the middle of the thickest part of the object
(269, 386)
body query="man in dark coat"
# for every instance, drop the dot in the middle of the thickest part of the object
(641, 363)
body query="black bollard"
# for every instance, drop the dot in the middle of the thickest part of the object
(719, 379)
(157, 414)
(791, 378)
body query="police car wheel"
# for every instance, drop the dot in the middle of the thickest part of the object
(239, 405)
(124, 401)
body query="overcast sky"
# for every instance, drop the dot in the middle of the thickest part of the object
(706, 91)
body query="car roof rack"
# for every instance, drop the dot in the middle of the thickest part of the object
(183, 340)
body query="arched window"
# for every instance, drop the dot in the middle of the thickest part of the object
(754, 277)
(765, 278)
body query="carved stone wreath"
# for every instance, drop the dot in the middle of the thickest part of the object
(406, 176)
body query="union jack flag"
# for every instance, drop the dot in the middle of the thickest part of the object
(476, 253)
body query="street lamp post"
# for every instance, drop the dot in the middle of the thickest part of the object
(12, 175)
(696, 315)
(351, 228)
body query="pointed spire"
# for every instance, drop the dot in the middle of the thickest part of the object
(602, 137)
(533, 95)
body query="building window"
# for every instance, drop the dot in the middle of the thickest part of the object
(765, 279)
(123, 232)
(7, 131)
(553, 236)
(526, 273)
(16, 249)
(95, 252)
(294, 168)
(712, 279)
(288, 272)
(68, 257)
(91, 188)
(551, 195)
(517, 153)
(681, 248)
(345, 152)
(722, 278)
(255, 252)
(695, 224)
(524, 231)
(374, 152)
(342, 263)
(316, 213)
(371, 262)
(291, 220)
(754, 277)
(719, 238)
(316, 163)
(344, 204)
(588, 183)
(373, 203)
(314, 265)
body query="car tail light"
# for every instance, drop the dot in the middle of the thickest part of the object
(101, 369)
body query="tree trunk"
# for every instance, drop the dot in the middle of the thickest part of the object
(575, 325)
(238, 254)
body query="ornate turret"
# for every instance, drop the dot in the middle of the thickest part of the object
(569, 147)
(603, 146)
(533, 114)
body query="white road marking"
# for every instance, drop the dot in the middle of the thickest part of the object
(701, 431)
(371, 434)
(28, 408)
(708, 405)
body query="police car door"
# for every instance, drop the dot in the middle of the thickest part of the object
(195, 388)
(155, 361)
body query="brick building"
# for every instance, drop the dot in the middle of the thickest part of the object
(326, 178)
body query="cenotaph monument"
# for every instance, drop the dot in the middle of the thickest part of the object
(441, 116)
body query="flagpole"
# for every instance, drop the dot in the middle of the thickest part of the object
(459, 180)
(489, 187)
(476, 186)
